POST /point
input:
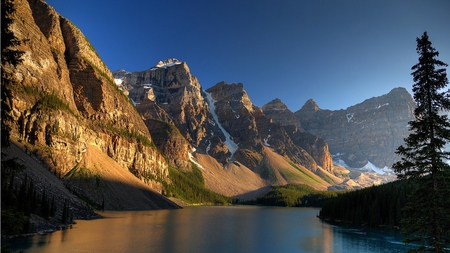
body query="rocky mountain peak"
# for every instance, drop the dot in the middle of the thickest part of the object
(279, 113)
(234, 93)
(275, 104)
(168, 63)
(366, 132)
(310, 106)
(120, 74)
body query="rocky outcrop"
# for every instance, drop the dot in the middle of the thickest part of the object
(64, 99)
(315, 146)
(171, 87)
(171, 143)
(369, 131)
(280, 113)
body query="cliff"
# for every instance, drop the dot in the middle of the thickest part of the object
(367, 132)
(65, 104)
(221, 123)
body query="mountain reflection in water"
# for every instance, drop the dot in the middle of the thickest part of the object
(213, 229)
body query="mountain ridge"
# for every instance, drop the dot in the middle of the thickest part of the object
(67, 105)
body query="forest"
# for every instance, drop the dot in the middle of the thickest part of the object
(294, 195)
(21, 200)
(373, 206)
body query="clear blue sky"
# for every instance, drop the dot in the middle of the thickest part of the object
(337, 52)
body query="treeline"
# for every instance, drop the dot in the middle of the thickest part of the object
(373, 206)
(190, 187)
(20, 200)
(294, 195)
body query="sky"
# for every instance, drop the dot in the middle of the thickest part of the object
(338, 53)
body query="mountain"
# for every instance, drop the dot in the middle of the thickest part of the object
(67, 112)
(223, 124)
(369, 132)
(280, 113)
(362, 138)
(114, 138)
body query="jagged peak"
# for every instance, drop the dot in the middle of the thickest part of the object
(167, 63)
(310, 105)
(275, 104)
(226, 88)
(399, 91)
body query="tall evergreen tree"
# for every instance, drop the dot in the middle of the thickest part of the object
(426, 217)
(9, 56)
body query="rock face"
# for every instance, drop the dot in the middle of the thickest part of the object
(367, 132)
(171, 86)
(221, 121)
(80, 119)
(64, 99)
(279, 113)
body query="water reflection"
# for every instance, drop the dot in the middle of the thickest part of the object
(212, 229)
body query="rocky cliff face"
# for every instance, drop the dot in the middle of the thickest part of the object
(367, 132)
(221, 121)
(280, 113)
(64, 99)
(251, 129)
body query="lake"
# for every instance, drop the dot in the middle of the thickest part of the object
(213, 229)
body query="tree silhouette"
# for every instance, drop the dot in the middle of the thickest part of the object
(426, 217)
(10, 56)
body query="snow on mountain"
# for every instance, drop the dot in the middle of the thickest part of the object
(191, 158)
(232, 146)
(118, 81)
(266, 141)
(369, 167)
(167, 63)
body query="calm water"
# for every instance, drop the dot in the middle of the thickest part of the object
(213, 229)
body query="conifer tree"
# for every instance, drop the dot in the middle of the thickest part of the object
(426, 216)
(9, 56)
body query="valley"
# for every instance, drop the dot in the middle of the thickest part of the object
(111, 139)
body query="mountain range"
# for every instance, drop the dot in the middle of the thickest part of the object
(112, 137)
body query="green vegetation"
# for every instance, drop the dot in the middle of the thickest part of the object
(419, 203)
(307, 176)
(374, 206)
(190, 187)
(53, 102)
(127, 134)
(109, 80)
(426, 216)
(19, 201)
(295, 195)
(46, 101)
(267, 172)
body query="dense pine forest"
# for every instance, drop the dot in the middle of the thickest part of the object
(374, 206)
(294, 195)
(21, 200)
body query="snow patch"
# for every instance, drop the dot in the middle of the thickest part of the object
(368, 167)
(232, 146)
(371, 167)
(265, 141)
(349, 116)
(118, 81)
(208, 147)
(191, 158)
(168, 63)
(379, 106)
(235, 114)
(132, 101)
